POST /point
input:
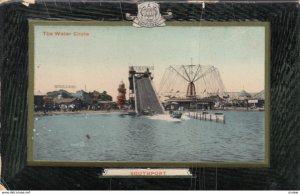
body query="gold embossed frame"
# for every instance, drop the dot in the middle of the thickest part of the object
(15, 81)
(134, 124)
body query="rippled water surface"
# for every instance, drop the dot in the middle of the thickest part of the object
(116, 137)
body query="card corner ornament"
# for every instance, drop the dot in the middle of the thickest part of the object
(148, 16)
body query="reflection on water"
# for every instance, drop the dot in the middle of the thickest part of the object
(115, 137)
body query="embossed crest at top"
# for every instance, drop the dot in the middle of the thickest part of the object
(148, 16)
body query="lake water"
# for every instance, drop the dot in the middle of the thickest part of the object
(116, 137)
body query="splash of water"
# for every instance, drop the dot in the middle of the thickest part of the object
(168, 118)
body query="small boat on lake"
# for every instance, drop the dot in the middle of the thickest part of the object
(147, 112)
(176, 114)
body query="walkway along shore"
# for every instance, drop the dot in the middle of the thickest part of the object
(50, 113)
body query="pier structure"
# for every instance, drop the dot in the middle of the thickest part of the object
(142, 94)
(216, 117)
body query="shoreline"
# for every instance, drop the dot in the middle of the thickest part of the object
(51, 113)
(238, 109)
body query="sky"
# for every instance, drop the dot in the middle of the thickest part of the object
(100, 59)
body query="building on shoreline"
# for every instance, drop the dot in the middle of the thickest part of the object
(121, 98)
(63, 100)
(231, 101)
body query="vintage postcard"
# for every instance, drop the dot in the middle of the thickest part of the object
(111, 92)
